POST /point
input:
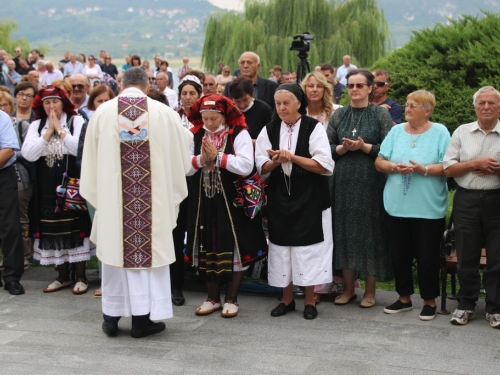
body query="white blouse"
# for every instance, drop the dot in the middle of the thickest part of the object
(240, 163)
(319, 148)
(34, 145)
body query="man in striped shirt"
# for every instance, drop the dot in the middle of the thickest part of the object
(472, 158)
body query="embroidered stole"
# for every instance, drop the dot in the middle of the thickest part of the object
(136, 181)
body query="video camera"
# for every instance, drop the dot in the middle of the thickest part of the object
(302, 42)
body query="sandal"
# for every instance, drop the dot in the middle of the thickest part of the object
(98, 293)
(81, 286)
(57, 285)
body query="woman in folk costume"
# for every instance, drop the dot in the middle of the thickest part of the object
(52, 142)
(222, 239)
(294, 150)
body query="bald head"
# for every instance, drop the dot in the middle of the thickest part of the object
(347, 60)
(49, 66)
(249, 63)
(81, 86)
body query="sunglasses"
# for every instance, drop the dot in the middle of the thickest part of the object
(359, 86)
(381, 84)
(79, 86)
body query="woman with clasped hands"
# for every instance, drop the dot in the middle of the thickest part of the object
(416, 198)
(52, 141)
(361, 238)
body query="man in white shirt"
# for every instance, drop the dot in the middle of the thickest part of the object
(51, 74)
(472, 159)
(344, 69)
(162, 84)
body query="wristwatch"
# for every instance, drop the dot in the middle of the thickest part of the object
(426, 171)
(61, 132)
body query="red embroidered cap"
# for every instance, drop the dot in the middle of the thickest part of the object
(216, 103)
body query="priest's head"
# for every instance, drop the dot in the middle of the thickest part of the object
(136, 77)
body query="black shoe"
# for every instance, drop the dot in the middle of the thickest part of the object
(14, 288)
(177, 297)
(398, 307)
(282, 309)
(310, 312)
(428, 312)
(151, 329)
(110, 329)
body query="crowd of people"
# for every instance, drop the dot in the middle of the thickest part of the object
(227, 170)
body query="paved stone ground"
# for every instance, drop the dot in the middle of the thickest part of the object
(61, 333)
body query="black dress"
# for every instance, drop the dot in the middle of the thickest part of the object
(216, 228)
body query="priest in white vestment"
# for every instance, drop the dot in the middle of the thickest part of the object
(135, 159)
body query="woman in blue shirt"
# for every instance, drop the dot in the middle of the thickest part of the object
(415, 197)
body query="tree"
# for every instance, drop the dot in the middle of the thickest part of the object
(354, 27)
(6, 41)
(452, 61)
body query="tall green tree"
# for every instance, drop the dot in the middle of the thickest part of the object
(452, 61)
(7, 27)
(354, 27)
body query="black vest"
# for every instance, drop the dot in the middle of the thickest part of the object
(296, 219)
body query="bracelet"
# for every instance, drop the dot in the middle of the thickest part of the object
(61, 132)
(426, 171)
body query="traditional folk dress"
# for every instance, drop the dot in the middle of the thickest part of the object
(63, 236)
(134, 164)
(221, 238)
(299, 213)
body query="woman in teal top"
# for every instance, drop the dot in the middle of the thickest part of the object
(415, 197)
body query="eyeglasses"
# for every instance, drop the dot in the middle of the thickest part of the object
(412, 106)
(151, 79)
(227, 71)
(108, 58)
(79, 86)
(25, 96)
(381, 84)
(6, 105)
(359, 86)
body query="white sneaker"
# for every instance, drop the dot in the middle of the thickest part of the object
(462, 317)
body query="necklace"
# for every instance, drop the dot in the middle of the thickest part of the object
(414, 141)
(406, 179)
(290, 134)
(354, 127)
(212, 183)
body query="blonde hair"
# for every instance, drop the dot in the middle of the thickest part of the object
(327, 93)
(8, 97)
(61, 83)
(425, 98)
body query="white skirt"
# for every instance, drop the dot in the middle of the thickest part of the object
(127, 292)
(78, 254)
(303, 265)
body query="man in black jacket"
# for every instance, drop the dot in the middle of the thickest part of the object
(249, 63)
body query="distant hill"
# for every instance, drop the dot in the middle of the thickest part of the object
(145, 27)
(176, 28)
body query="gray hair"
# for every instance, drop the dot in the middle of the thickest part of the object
(484, 89)
(135, 77)
(257, 57)
(286, 92)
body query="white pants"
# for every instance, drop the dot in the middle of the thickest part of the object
(304, 265)
(127, 292)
